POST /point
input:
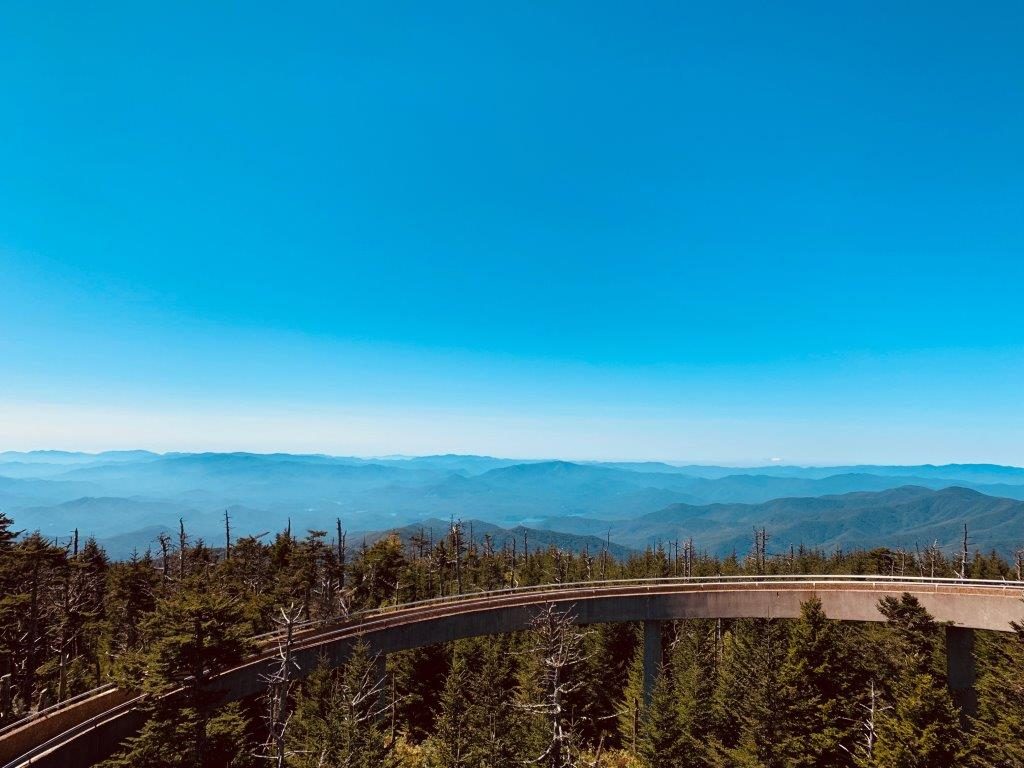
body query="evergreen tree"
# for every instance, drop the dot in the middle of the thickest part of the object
(814, 694)
(420, 676)
(921, 727)
(451, 747)
(663, 740)
(631, 711)
(921, 730)
(339, 716)
(694, 670)
(759, 655)
(193, 633)
(495, 724)
(996, 737)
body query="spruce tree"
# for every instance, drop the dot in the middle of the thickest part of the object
(814, 694)
(996, 737)
(451, 740)
(495, 724)
(694, 671)
(760, 654)
(663, 739)
(339, 715)
(194, 633)
(920, 728)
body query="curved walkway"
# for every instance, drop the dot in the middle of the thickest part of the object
(78, 736)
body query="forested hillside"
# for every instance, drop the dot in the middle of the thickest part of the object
(732, 693)
(125, 499)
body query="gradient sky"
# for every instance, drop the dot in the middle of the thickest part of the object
(723, 231)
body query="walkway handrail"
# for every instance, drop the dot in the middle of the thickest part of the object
(92, 722)
(789, 578)
(28, 717)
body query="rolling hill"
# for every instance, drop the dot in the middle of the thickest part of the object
(116, 493)
(907, 516)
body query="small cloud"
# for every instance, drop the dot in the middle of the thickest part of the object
(776, 459)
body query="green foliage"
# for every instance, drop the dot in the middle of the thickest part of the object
(420, 675)
(732, 693)
(339, 716)
(664, 742)
(996, 734)
(168, 742)
(921, 727)
(193, 633)
(815, 692)
(921, 730)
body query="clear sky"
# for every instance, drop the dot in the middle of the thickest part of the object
(690, 231)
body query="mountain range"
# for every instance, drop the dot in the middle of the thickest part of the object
(126, 498)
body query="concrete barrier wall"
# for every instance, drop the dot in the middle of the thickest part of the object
(991, 609)
(93, 744)
(42, 729)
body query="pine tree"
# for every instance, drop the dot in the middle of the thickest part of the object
(377, 574)
(339, 716)
(996, 737)
(694, 670)
(663, 739)
(132, 587)
(420, 676)
(495, 724)
(451, 747)
(921, 728)
(194, 633)
(613, 655)
(631, 711)
(759, 655)
(813, 692)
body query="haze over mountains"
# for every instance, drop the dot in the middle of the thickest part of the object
(126, 498)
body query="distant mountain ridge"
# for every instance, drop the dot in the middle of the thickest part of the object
(115, 493)
(908, 517)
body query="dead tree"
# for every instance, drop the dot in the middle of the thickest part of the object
(559, 646)
(457, 548)
(864, 751)
(227, 535)
(164, 540)
(688, 556)
(279, 681)
(963, 556)
(760, 553)
(182, 545)
(365, 703)
(342, 551)
(932, 554)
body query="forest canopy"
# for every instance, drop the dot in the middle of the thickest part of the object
(748, 692)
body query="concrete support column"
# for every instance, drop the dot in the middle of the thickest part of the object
(652, 657)
(960, 668)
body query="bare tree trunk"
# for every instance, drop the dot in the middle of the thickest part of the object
(341, 553)
(33, 632)
(182, 542)
(559, 646)
(227, 535)
(165, 543)
(278, 688)
(963, 556)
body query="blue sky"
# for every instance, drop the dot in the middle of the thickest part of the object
(725, 232)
